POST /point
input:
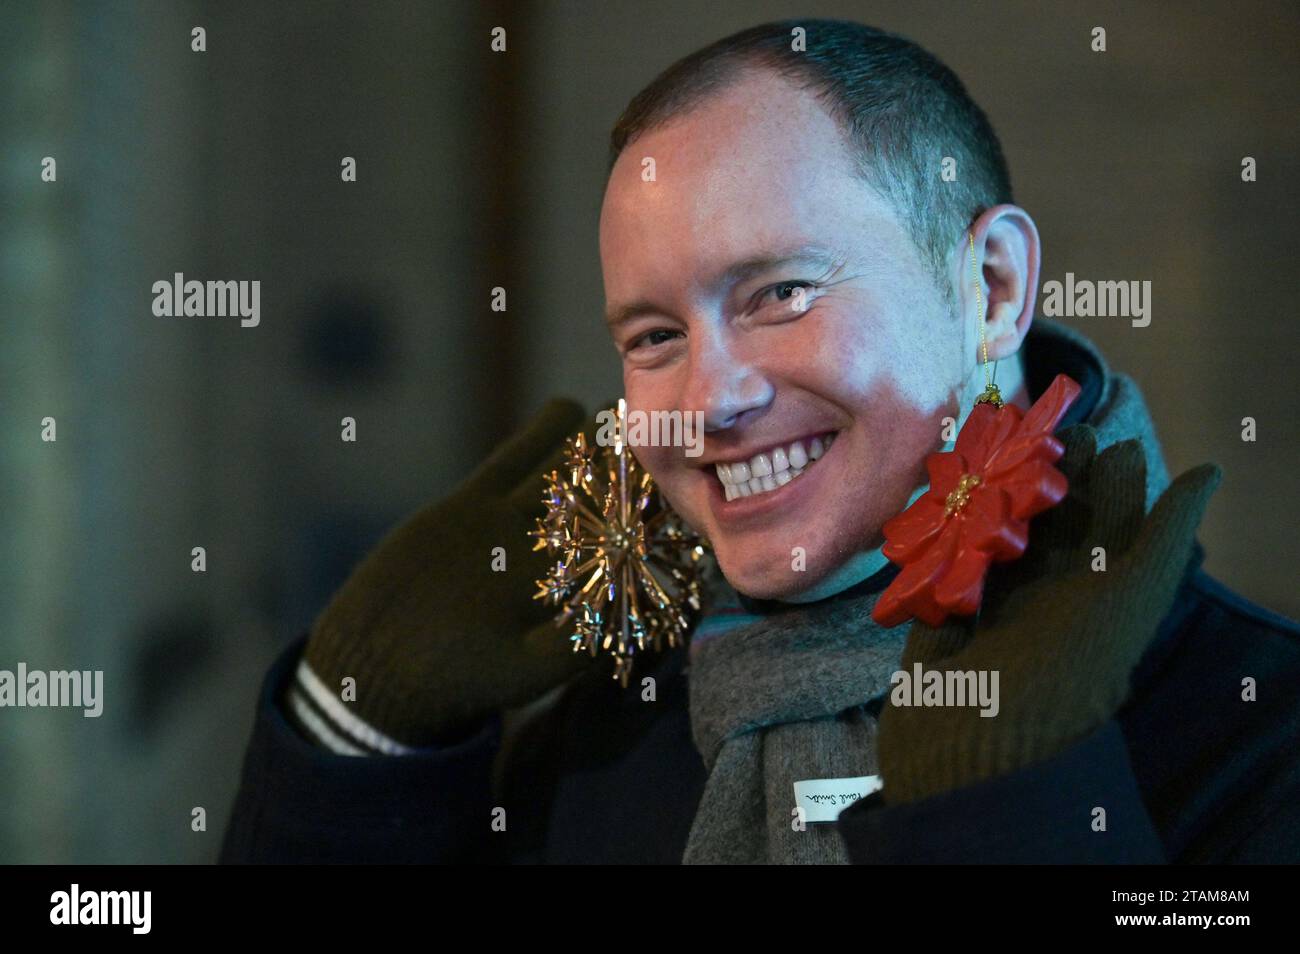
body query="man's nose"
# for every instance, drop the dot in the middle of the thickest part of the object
(724, 383)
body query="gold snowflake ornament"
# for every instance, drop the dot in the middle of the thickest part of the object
(626, 567)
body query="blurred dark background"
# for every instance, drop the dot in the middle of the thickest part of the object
(476, 170)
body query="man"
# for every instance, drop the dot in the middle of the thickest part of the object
(781, 255)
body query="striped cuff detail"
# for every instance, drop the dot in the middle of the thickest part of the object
(323, 716)
(314, 726)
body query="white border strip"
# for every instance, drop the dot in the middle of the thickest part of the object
(319, 729)
(351, 724)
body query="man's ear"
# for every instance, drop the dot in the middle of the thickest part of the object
(1008, 256)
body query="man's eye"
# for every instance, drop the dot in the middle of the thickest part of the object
(786, 291)
(653, 338)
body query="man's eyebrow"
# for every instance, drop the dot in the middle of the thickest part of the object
(616, 316)
(815, 255)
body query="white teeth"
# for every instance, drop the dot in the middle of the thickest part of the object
(771, 470)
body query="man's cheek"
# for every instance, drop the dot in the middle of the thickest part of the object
(659, 461)
(845, 353)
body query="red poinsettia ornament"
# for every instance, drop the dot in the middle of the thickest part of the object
(982, 495)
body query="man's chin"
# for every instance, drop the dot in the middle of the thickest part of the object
(775, 580)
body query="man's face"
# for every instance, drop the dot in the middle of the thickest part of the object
(755, 204)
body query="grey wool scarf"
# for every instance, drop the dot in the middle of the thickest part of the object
(782, 699)
(776, 702)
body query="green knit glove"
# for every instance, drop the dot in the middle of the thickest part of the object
(1064, 638)
(434, 637)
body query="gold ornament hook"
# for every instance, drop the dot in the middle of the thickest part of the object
(991, 393)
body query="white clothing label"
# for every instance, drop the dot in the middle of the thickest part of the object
(822, 799)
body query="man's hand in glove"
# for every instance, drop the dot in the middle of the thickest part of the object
(434, 637)
(1063, 637)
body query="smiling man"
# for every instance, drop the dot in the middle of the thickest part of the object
(783, 258)
(759, 278)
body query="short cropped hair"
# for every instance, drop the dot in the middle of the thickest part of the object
(901, 110)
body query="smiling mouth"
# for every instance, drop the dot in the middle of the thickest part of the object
(773, 468)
